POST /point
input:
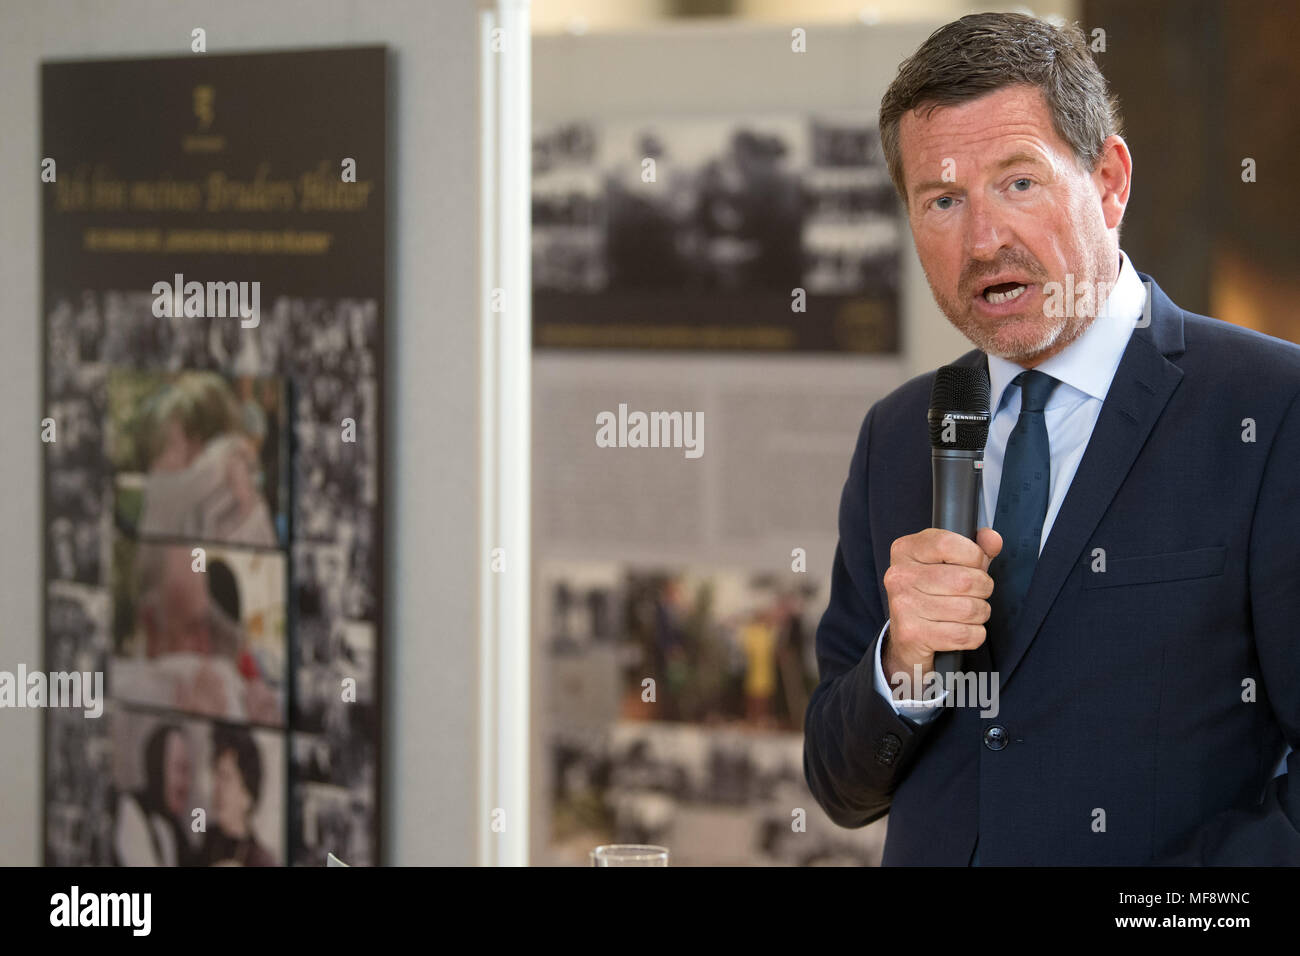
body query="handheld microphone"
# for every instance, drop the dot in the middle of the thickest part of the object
(959, 428)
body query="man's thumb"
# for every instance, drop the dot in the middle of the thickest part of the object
(991, 542)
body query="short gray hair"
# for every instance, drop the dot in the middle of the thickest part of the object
(983, 52)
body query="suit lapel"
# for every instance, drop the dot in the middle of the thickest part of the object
(1142, 386)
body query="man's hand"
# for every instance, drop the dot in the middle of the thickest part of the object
(938, 587)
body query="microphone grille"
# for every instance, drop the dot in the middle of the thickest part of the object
(961, 395)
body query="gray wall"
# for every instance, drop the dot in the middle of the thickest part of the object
(430, 673)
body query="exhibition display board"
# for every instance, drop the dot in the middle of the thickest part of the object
(214, 314)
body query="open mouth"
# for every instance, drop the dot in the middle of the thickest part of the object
(1003, 292)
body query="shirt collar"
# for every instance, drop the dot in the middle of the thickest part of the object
(1088, 363)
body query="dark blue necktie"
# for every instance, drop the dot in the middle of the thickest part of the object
(1021, 511)
(1022, 506)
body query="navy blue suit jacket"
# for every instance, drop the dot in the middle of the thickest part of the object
(1126, 692)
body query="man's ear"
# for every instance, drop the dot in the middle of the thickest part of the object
(1113, 177)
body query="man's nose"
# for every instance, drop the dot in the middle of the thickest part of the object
(986, 232)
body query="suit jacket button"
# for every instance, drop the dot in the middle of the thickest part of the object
(887, 749)
(995, 738)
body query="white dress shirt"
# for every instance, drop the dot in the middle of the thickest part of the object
(1085, 369)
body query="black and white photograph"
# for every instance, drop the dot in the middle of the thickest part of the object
(79, 537)
(736, 214)
(77, 769)
(329, 819)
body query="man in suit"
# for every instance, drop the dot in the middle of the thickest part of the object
(1136, 595)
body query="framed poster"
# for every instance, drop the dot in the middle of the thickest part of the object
(213, 315)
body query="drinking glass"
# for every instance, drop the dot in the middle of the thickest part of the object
(629, 854)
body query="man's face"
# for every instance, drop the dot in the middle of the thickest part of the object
(231, 801)
(180, 621)
(176, 774)
(999, 207)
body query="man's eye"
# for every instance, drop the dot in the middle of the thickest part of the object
(1016, 184)
(943, 199)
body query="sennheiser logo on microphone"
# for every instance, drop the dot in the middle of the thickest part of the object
(948, 425)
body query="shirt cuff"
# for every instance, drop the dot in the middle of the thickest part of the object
(917, 710)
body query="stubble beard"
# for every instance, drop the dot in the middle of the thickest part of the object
(1040, 334)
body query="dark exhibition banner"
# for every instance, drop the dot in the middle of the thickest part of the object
(213, 318)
